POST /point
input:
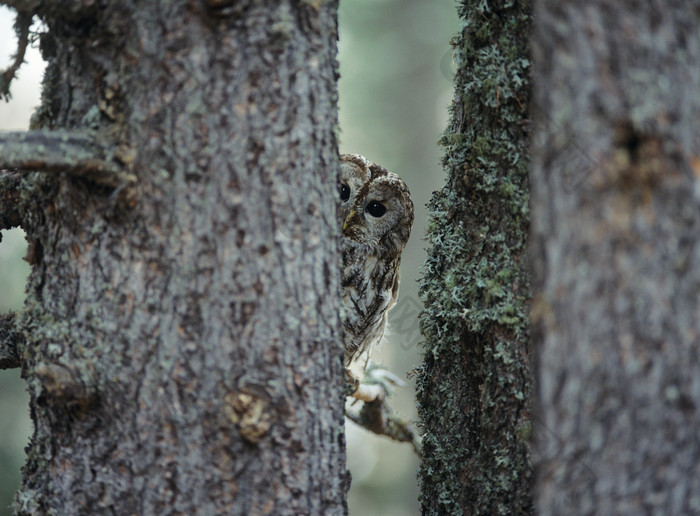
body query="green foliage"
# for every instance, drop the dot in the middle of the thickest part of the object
(476, 378)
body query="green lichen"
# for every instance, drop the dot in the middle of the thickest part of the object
(476, 380)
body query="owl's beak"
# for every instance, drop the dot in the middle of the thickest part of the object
(348, 219)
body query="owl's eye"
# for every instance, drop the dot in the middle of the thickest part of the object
(344, 192)
(376, 209)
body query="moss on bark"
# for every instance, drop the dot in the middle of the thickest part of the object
(476, 381)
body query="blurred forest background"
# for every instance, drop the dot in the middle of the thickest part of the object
(394, 91)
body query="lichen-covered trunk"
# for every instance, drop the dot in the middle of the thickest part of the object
(476, 381)
(181, 335)
(616, 226)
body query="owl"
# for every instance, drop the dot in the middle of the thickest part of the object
(375, 214)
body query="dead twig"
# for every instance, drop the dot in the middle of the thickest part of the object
(22, 24)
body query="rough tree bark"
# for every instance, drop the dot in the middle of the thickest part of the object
(181, 334)
(616, 228)
(475, 383)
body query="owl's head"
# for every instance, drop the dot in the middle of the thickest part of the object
(375, 207)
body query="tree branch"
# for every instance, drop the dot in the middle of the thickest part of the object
(10, 338)
(76, 154)
(375, 414)
(67, 9)
(22, 24)
(26, 6)
(377, 417)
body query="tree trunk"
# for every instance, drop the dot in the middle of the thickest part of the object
(616, 227)
(476, 381)
(181, 338)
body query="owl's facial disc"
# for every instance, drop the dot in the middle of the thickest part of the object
(366, 222)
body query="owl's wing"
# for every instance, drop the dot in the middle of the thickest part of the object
(394, 289)
(362, 357)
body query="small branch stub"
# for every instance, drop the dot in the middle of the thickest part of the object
(76, 154)
(250, 413)
(69, 384)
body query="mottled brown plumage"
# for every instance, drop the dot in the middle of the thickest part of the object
(375, 214)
